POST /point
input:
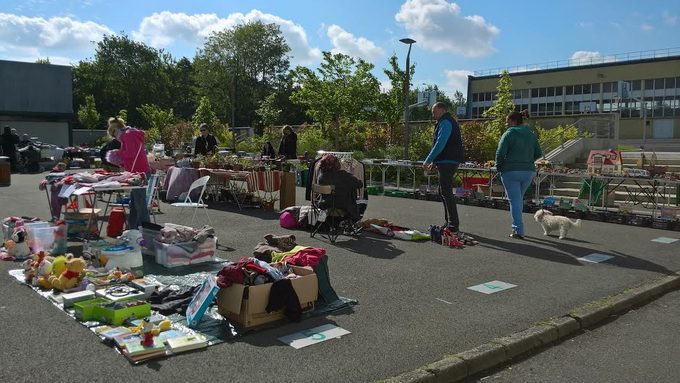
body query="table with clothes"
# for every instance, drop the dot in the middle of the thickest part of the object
(61, 186)
(177, 181)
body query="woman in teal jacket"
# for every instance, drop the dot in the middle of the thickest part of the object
(515, 156)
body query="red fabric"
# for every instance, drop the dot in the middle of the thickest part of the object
(269, 181)
(70, 274)
(232, 273)
(309, 256)
(255, 268)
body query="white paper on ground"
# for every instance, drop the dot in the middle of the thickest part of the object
(313, 335)
(665, 240)
(492, 287)
(596, 258)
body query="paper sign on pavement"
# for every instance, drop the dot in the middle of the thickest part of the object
(492, 287)
(313, 335)
(596, 258)
(665, 240)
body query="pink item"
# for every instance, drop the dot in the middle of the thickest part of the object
(287, 220)
(309, 256)
(132, 151)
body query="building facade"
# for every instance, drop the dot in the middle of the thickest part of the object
(37, 99)
(640, 96)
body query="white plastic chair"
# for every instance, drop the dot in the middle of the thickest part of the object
(199, 183)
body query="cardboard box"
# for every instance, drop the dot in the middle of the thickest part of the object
(246, 305)
(79, 224)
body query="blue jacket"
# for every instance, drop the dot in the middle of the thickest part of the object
(447, 144)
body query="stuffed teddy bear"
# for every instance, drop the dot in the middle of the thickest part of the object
(38, 269)
(70, 277)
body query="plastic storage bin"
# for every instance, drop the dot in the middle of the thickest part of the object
(178, 254)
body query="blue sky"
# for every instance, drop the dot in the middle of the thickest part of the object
(453, 38)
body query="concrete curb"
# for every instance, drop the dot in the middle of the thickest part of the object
(502, 350)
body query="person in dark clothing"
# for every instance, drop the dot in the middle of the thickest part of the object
(446, 154)
(206, 143)
(9, 146)
(268, 150)
(288, 145)
(112, 144)
(346, 185)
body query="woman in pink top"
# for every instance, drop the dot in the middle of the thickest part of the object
(133, 159)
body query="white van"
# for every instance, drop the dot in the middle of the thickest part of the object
(633, 172)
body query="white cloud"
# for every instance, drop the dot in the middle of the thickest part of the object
(25, 38)
(589, 57)
(584, 24)
(457, 80)
(347, 43)
(669, 18)
(646, 27)
(438, 25)
(165, 28)
(385, 85)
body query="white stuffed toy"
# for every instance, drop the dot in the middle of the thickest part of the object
(20, 250)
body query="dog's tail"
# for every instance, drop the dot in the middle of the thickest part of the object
(576, 223)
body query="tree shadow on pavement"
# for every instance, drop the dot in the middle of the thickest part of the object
(565, 252)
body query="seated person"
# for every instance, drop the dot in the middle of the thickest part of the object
(346, 186)
(268, 150)
(112, 144)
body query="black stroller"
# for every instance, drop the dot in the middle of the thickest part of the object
(29, 158)
(327, 218)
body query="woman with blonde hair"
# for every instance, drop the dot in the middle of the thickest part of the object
(132, 157)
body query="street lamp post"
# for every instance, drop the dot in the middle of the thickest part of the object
(407, 84)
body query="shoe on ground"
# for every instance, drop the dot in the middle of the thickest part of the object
(466, 239)
(516, 236)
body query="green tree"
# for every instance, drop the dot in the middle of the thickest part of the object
(122, 114)
(503, 105)
(182, 88)
(268, 110)
(459, 99)
(239, 67)
(391, 103)
(88, 115)
(158, 122)
(344, 89)
(204, 114)
(46, 60)
(124, 74)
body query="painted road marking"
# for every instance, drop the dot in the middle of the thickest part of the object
(665, 240)
(313, 336)
(596, 258)
(492, 287)
(441, 300)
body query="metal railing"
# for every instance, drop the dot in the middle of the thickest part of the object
(599, 59)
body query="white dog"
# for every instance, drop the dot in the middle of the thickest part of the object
(551, 222)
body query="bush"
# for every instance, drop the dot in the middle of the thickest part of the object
(312, 140)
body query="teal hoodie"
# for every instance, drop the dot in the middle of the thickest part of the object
(517, 150)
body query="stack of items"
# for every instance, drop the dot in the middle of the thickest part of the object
(274, 291)
(176, 245)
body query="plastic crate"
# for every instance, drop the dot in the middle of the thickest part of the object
(396, 193)
(174, 255)
(374, 189)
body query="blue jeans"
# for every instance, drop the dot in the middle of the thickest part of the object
(516, 184)
(139, 212)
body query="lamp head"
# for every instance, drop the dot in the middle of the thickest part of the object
(407, 40)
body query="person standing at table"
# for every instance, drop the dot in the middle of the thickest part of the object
(288, 145)
(517, 151)
(132, 157)
(206, 143)
(112, 144)
(446, 154)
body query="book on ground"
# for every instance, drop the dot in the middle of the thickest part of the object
(187, 343)
(136, 348)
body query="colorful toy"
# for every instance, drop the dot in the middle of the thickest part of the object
(146, 334)
(70, 277)
(126, 254)
(59, 265)
(17, 246)
(38, 270)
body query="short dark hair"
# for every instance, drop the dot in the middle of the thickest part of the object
(518, 117)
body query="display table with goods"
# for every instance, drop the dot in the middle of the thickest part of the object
(605, 195)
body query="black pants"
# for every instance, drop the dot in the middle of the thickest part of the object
(446, 173)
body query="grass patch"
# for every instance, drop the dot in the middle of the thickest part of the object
(628, 148)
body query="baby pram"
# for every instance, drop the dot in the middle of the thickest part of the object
(29, 159)
(331, 221)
